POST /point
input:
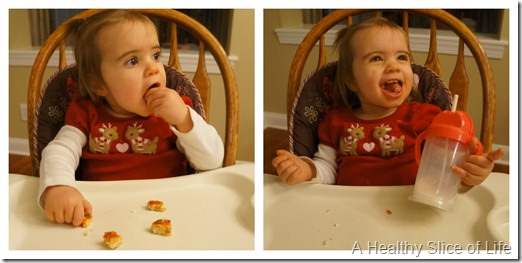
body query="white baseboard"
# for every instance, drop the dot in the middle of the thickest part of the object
(19, 146)
(275, 120)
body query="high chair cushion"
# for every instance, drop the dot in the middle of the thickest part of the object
(315, 98)
(60, 89)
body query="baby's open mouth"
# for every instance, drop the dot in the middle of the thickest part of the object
(393, 86)
(154, 85)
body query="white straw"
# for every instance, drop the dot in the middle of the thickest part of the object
(454, 102)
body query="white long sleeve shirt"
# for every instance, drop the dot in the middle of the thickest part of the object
(202, 147)
(325, 162)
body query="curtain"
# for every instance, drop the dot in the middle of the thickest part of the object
(218, 21)
(312, 16)
(45, 21)
(40, 26)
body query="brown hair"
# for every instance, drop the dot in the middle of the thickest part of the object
(87, 53)
(344, 75)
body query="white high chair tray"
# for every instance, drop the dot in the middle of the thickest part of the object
(320, 217)
(209, 210)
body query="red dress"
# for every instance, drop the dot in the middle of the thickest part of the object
(376, 152)
(124, 148)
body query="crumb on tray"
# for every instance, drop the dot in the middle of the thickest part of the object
(326, 241)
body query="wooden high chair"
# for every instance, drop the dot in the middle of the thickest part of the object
(458, 83)
(200, 80)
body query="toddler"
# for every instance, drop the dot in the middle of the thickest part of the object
(370, 139)
(125, 123)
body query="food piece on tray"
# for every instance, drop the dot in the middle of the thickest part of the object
(161, 227)
(87, 219)
(155, 205)
(112, 239)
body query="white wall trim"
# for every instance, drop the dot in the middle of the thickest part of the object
(188, 59)
(19, 146)
(447, 41)
(274, 120)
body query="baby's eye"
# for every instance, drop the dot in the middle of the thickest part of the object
(404, 57)
(156, 56)
(131, 62)
(376, 59)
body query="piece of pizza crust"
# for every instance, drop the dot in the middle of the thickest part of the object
(156, 205)
(161, 227)
(112, 239)
(87, 219)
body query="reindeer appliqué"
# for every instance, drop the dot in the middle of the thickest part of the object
(139, 144)
(388, 143)
(102, 144)
(348, 144)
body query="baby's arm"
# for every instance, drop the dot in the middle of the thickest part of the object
(292, 169)
(323, 167)
(201, 145)
(57, 193)
(198, 140)
(477, 168)
(167, 104)
(65, 204)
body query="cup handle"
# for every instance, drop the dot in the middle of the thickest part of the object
(418, 144)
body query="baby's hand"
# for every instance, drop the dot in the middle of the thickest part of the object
(168, 105)
(292, 169)
(477, 168)
(65, 204)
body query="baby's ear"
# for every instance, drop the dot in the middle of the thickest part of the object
(98, 87)
(350, 86)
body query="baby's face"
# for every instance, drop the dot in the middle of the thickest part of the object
(130, 65)
(382, 70)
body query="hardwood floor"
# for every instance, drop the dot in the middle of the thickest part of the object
(20, 164)
(501, 168)
(273, 139)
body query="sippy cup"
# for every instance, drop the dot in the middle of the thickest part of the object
(446, 144)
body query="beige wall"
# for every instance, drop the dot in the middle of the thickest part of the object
(277, 59)
(242, 46)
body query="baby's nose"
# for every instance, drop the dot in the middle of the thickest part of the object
(152, 68)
